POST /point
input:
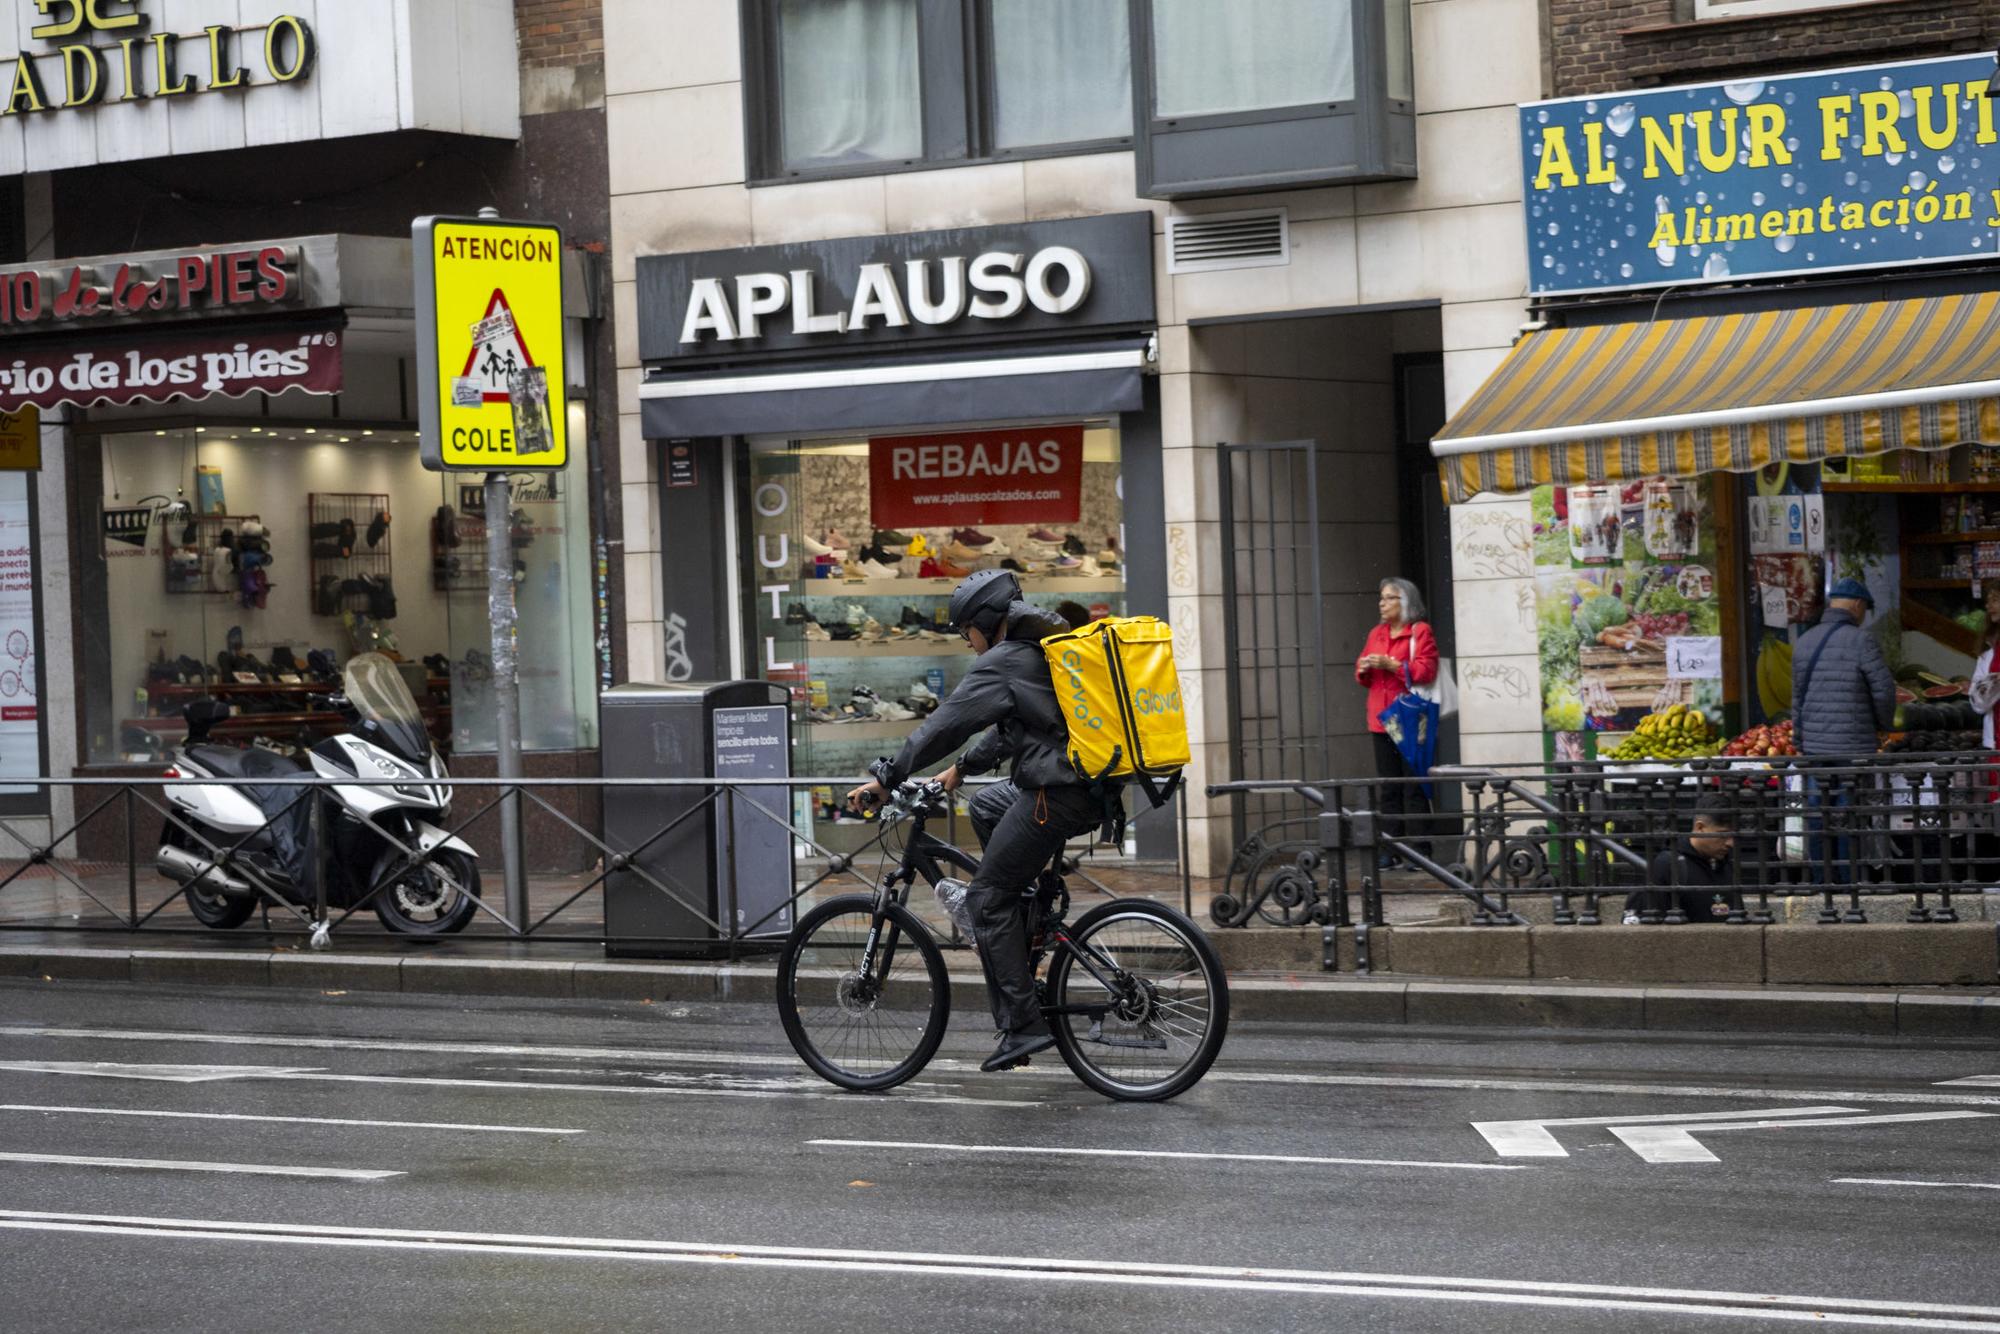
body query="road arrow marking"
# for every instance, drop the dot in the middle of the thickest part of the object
(1976, 1081)
(1531, 1139)
(1677, 1144)
(169, 1074)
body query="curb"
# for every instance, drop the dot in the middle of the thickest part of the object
(1294, 998)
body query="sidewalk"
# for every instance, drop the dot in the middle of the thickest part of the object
(472, 966)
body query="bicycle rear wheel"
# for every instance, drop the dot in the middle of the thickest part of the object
(1154, 1023)
(865, 1033)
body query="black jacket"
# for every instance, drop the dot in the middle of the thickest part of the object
(1851, 694)
(1703, 888)
(1008, 690)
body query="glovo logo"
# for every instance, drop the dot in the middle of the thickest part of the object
(1079, 697)
(1146, 703)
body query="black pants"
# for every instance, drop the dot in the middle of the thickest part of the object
(1021, 832)
(1405, 809)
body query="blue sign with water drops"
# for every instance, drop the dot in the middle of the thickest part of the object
(1838, 169)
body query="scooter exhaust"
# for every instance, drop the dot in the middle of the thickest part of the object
(182, 866)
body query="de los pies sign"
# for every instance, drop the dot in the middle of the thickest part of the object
(95, 40)
(1866, 167)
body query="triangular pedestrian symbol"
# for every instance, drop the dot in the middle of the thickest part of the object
(491, 363)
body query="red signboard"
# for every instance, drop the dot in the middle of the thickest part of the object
(1011, 474)
(168, 365)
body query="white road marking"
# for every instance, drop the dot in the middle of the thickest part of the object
(1677, 1144)
(1531, 1139)
(1976, 1081)
(280, 1072)
(288, 1120)
(1936, 1185)
(1037, 1149)
(176, 1165)
(786, 1060)
(1503, 1292)
(169, 1074)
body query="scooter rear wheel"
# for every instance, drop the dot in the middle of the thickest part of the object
(215, 910)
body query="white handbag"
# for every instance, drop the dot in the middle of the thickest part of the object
(1442, 692)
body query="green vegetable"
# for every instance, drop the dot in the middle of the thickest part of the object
(1564, 712)
(1598, 614)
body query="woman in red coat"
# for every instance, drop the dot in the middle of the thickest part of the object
(1400, 652)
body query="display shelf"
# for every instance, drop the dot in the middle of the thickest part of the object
(894, 648)
(208, 529)
(1946, 631)
(879, 729)
(871, 588)
(1952, 539)
(343, 561)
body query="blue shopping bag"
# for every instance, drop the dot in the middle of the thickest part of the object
(1411, 722)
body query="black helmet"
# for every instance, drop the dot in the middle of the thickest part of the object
(982, 600)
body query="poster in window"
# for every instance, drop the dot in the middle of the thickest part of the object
(20, 726)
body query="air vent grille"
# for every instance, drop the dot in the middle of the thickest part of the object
(1228, 240)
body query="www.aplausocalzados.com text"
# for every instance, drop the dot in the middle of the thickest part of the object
(973, 497)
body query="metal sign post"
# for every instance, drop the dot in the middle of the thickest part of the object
(491, 384)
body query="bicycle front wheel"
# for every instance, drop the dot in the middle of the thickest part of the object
(863, 1030)
(1140, 1001)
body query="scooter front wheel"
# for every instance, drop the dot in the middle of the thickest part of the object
(435, 898)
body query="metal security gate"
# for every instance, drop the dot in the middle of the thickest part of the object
(1272, 608)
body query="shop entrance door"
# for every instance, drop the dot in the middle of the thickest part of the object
(1273, 621)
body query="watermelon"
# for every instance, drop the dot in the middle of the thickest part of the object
(1943, 692)
(1905, 695)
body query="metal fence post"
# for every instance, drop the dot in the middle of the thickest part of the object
(131, 857)
(322, 926)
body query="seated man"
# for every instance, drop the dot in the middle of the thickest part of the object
(1699, 875)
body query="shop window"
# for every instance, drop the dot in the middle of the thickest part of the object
(857, 87)
(859, 640)
(1284, 93)
(228, 555)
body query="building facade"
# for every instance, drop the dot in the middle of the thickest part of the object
(1760, 237)
(1183, 288)
(212, 346)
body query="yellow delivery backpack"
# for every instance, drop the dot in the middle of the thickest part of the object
(1121, 699)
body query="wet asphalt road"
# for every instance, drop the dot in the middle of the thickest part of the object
(540, 1165)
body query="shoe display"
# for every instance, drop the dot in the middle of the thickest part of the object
(960, 554)
(796, 614)
(1068, 565)
(814, 548)
(912, 619)
(971, 537)
(877, 570)
(1088, 568)
(946, 569)
(1043, 534)
(835, 541)
(889, 537)
(841, 631)
(919, 545)
(889, 711)
(929, 570)
(378, 527)
(817, 632)
(1073, 544)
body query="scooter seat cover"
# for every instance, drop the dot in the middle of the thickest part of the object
(229, 762)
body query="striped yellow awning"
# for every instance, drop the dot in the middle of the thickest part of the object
(1730, 393)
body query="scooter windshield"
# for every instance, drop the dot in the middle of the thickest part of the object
(376, 691)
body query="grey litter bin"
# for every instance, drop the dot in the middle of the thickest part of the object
(724, 729)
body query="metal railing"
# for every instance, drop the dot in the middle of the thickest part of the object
(1588, 837)
(96, 869)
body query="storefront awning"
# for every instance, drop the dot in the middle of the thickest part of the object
(1021, 382)
(1729, 393)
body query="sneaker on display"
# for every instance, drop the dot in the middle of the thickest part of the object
(816, 631)
(1108, 558)
(842, 631)
(875, 569)
(919, 545)
(1088, 568)
(948, 570)
(1020, 567)
(889, 537)
(836, 541)
(971, 537)
(1067, 565)
(960, 554)
(796, 614)
(914, 619)
(1043, 534)
(929, 570)
(1073, 544)
(817, 548)
(872, 628)
(891, 712)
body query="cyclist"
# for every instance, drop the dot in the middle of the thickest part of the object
(1021, 823)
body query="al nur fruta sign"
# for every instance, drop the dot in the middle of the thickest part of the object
(1839, 169)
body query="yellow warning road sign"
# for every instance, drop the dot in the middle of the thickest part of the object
(490, 345)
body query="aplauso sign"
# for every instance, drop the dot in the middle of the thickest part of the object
(1838, 169)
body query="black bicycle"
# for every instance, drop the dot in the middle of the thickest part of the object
(1134, 992)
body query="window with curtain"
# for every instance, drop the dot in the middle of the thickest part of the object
(1062, 71)
(1210, 58)
(1402, 83)
(850, 83)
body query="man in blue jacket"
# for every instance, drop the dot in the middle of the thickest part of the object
(1842, 695)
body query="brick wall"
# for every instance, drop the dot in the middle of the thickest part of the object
(1600, 45)
(556, 33)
